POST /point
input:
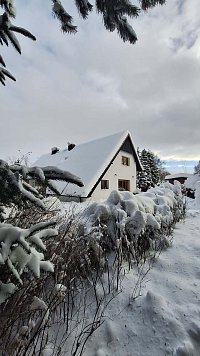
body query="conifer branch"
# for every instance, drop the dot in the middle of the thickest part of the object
(147, 4)
(114, 14)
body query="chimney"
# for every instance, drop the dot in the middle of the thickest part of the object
(54, 150)
(70, 146)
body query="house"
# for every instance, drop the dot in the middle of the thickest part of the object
(181, 177)
(105, 164)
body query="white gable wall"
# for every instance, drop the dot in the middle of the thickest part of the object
(115, 172)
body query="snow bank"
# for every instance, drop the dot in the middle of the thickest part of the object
(164, 320)
(191, 182)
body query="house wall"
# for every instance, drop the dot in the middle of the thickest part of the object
(115, 172)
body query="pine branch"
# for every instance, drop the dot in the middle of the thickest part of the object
(55, 173)
(48, 173)
(109, 23)
(84, 7)
(13, 39)
(9, 7)
(2, 61)
(126, 8)
(65, 19)
(3, 37)
(7, 33)
(125, 30)
(113, 16)
(3, 73)
(15, 190)
(7, 29)
(23, 32)
(113, 12)
(147, 4)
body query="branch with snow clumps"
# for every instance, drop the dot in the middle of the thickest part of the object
(14, 185)
(19, 252)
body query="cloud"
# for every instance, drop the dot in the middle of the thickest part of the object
(79, 87)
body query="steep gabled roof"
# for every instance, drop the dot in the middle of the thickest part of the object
(88, 161)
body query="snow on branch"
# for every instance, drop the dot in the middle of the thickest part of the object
(14, 186)
(55, 173)
(19, 249)
(46, 173)
(140, 223)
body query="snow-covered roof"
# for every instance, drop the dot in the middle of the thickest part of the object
(88, 161)
(178, 175)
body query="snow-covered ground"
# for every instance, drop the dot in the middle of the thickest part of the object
(165, 319)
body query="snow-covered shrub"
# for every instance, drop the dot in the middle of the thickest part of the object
(197, 195)
(67, 293)
(191, 184)
(142, 222)
(87, 255)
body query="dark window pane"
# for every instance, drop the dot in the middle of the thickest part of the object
(105, 184)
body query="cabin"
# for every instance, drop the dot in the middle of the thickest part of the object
(105, 164)
(180, 177)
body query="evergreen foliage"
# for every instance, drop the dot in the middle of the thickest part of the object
(114, 15)
(15, 189)
(20, 248)
(152, 172)
(144, 177)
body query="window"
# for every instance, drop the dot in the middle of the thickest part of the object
(125, 161)
(123, 184)
(105, 184)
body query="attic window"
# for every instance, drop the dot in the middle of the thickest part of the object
(105, 184)
(125, 161)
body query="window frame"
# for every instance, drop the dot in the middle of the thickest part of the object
(125, 185)
(125, 161)
(107, 184)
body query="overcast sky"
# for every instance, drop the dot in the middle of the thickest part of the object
(80, 87)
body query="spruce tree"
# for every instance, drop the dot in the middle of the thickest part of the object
(152, 170)
(144, 177)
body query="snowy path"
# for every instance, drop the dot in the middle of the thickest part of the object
(165, 320)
